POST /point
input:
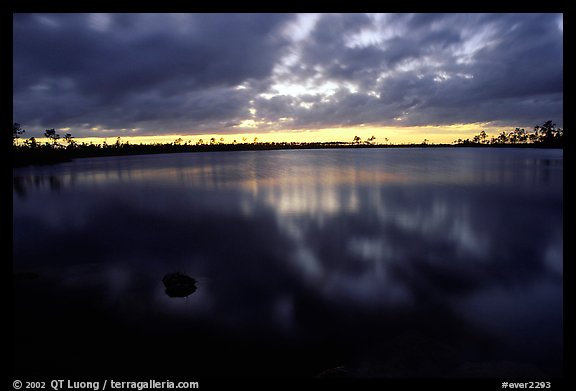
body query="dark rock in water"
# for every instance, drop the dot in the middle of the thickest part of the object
(179, 285)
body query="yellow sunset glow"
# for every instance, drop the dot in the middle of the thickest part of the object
(383, 135)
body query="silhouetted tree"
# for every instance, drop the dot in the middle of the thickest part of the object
(357, 140)
(502, 138)
(521, 135)
(52, 135)
(546, 135)
(16, 132)
(483, 136)
(31, 142)
(549, 134)
(71, 143)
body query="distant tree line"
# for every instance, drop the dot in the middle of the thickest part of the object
(545, 135)
(58, 149)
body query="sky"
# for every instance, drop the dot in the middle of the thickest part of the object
(286, 77)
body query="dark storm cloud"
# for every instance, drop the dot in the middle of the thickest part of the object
(108, 59)
(123, 70)
(186, 72)
(437, 69)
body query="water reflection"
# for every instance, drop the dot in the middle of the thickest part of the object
(50, 183)
(356, 246)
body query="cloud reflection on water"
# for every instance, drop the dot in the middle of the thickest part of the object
(349, 229)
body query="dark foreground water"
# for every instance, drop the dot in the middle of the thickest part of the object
(363, 263)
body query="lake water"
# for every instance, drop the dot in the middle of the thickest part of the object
(432, 262)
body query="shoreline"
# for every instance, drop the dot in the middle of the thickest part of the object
(22, 157)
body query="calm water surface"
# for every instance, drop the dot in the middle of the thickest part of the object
(385, 262)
